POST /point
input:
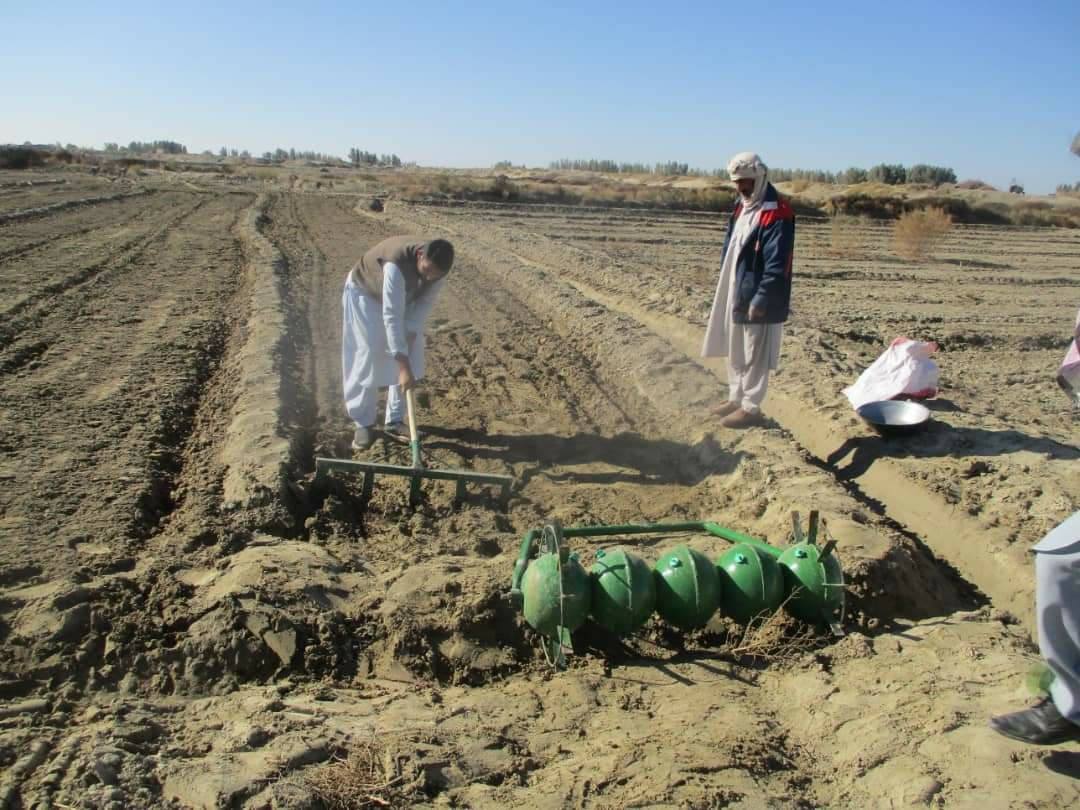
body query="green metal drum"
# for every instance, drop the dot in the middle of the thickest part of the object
(623, 591)
(751, 583)
(687, 588)
(814, 583)
(555, 596)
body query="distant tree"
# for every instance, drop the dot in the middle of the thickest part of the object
(854, 175)
(808, 175)
(931, 175)
(890, 174)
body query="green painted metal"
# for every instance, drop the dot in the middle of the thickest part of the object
(704, 526)
(415, 473)
(751, 583)
(555, 595)
(687, 588)
(813, 583)
(623, 591)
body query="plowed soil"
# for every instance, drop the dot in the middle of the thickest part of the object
(188, 618)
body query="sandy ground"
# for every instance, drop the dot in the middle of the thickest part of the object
(188, 619)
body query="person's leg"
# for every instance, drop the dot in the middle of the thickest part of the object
(755, 384)
(735, 383)
(395, 405)
(357, 357)
(743, 381)
(1056, 718)
(1057, 604)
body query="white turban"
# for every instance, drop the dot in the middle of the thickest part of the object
(744, 166)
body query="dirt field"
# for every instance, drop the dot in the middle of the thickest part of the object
(187, 619)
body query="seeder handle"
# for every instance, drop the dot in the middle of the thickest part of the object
(414, 444)
(411, 405)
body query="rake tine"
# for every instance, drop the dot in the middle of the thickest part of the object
(365, 492)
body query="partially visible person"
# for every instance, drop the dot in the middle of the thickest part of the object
(1055, 718)
(753, 294)
(388, 296)
(1069, 373)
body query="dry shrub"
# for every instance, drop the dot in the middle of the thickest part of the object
(843, 236)
(359, 782)
(916, 233)
(798, 186)
(775, 637)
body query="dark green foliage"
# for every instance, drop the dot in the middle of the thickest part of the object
(931, 175)
(358, 157)
(890, 174)
(20, 157)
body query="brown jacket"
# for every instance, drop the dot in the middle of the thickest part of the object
(400, 250)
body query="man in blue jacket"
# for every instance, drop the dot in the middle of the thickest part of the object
(1056, 718)
(753, 295)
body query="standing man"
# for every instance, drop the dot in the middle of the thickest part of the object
(1055, 718)
(753, 295)
(388, 296)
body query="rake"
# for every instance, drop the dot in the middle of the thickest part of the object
(416, 473)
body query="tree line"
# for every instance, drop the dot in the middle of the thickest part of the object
(358, 157)
(147, 147)
(889, 173)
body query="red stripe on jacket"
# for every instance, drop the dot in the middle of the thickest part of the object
(782, 211)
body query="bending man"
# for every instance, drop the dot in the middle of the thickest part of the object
(753, 295)
(388, 296)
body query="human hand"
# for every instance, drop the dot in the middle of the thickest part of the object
(756, 313)
(405, 377)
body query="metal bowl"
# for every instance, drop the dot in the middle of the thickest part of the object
(894, 417)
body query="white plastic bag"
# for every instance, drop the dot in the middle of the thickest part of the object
(1068, 375)
(904, 368)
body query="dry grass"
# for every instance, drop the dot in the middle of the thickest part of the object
(917, 233)
(362, 781)
(843, 236)
(774, 637)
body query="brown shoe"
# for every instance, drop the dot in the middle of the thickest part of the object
(725, 409)
(740, 419)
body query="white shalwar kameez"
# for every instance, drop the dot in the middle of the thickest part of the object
(752, 349)
(373, 332)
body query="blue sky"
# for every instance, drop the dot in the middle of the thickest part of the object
(990, 89)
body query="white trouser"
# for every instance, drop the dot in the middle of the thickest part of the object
(1057, 604)
(365, 363)
(753, 351)
(747, 385)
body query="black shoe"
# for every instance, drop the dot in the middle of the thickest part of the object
(1042, 724)
(398, 431)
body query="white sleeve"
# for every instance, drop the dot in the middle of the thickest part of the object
(393, 309)
(420, 310)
